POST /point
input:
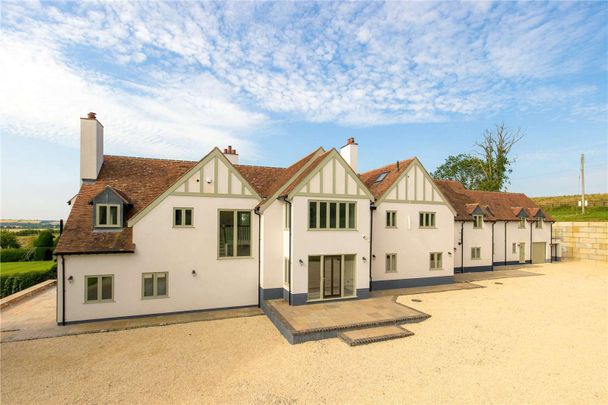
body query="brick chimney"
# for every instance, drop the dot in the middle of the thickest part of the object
(231, 155)
(350, 153)
(91, 147)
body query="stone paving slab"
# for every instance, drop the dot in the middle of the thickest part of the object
(34, 318)
(492, 275)
(425, 289)
(303, 323)
(371, 335)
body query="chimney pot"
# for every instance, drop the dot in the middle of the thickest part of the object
(350, 141)
(92, 116)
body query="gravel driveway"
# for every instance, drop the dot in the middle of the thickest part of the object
(525, 340)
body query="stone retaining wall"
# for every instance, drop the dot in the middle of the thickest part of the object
(582, 240)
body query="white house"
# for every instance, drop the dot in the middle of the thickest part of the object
(496, 229)
(155, 236)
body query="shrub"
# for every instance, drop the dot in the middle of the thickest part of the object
(17, 282)
(12, 255)
(8, 240)
(45, 239)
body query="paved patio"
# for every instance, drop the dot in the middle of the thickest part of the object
(34, 318)
(324, 320)
(496, 274)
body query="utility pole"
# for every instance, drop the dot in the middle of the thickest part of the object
(583, 182)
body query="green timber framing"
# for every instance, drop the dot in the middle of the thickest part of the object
(215, 155)
(415, 165)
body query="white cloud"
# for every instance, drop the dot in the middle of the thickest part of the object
(209, 72)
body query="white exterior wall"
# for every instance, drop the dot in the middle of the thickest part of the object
(411, 243)
(273, 251)
(517, 235)
(477, 238)
(543, 235)
(328, 242)
(218, 283)
(499, 243)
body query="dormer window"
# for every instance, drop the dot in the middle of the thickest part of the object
(522, 223)
(539, 223)
(108, 215)
(108, 209)
(478, 221)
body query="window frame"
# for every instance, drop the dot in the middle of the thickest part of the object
(437, 259)
(99, 278)
(432, 220)
(481, 221)
(391, 219)
(522, 223)
(514, 248)
(390, 263)
(473, 250)
(328, 205)
(539, 223)
(154, 275)
(285, 271)
(183, 210)
(108, 206)
(235, 234)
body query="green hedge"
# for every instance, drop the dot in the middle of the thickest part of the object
(26, 255)
(20, 281)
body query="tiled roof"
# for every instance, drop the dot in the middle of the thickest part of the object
(305, 172)
(143, 180)
(497, 206)
(392, 174)
(140, 181)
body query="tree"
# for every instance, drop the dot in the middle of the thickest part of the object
(494, 154)
(44, 239)
(488, 170)
(464, 168)
(8, 240)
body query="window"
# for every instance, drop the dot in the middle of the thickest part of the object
(331, 215)
(539, 223)
(391, 219)
(99, 288)
(380, 177)
(154, 285)
(522, 223)
(514, 248)
(427, 219)
(391, 263)
(182, 217)
(436, 261)
(235, 234)
(475, 253)
(107, 215)
(478, 221)
(286, 271)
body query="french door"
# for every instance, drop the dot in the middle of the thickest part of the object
(331, 277)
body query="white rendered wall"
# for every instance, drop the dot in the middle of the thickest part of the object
(412, 244)
(543, 235)
(218, 283)
(517, 235)
(328, 242)
(477, 238)
(273, 254)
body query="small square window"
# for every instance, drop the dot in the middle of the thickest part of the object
(154, 285)
(478, 221)
(475, 253)
(539, 223)
(426, 219)
(107, 215)
(182, 217)
(514, 248)
(436, 261)
(391, 219)
(99, 288)
(391, 263)
(522, 223)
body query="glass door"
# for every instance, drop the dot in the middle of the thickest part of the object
(332, 276)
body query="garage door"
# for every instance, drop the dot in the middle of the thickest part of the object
(539, 252)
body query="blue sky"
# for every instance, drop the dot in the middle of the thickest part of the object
(276, 80)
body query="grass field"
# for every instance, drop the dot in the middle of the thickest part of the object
(11, 268)
(565, 208)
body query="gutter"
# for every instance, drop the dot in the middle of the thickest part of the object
(256, 211)
(372, 208)
(286, 200)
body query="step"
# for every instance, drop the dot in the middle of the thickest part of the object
(371, 335)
